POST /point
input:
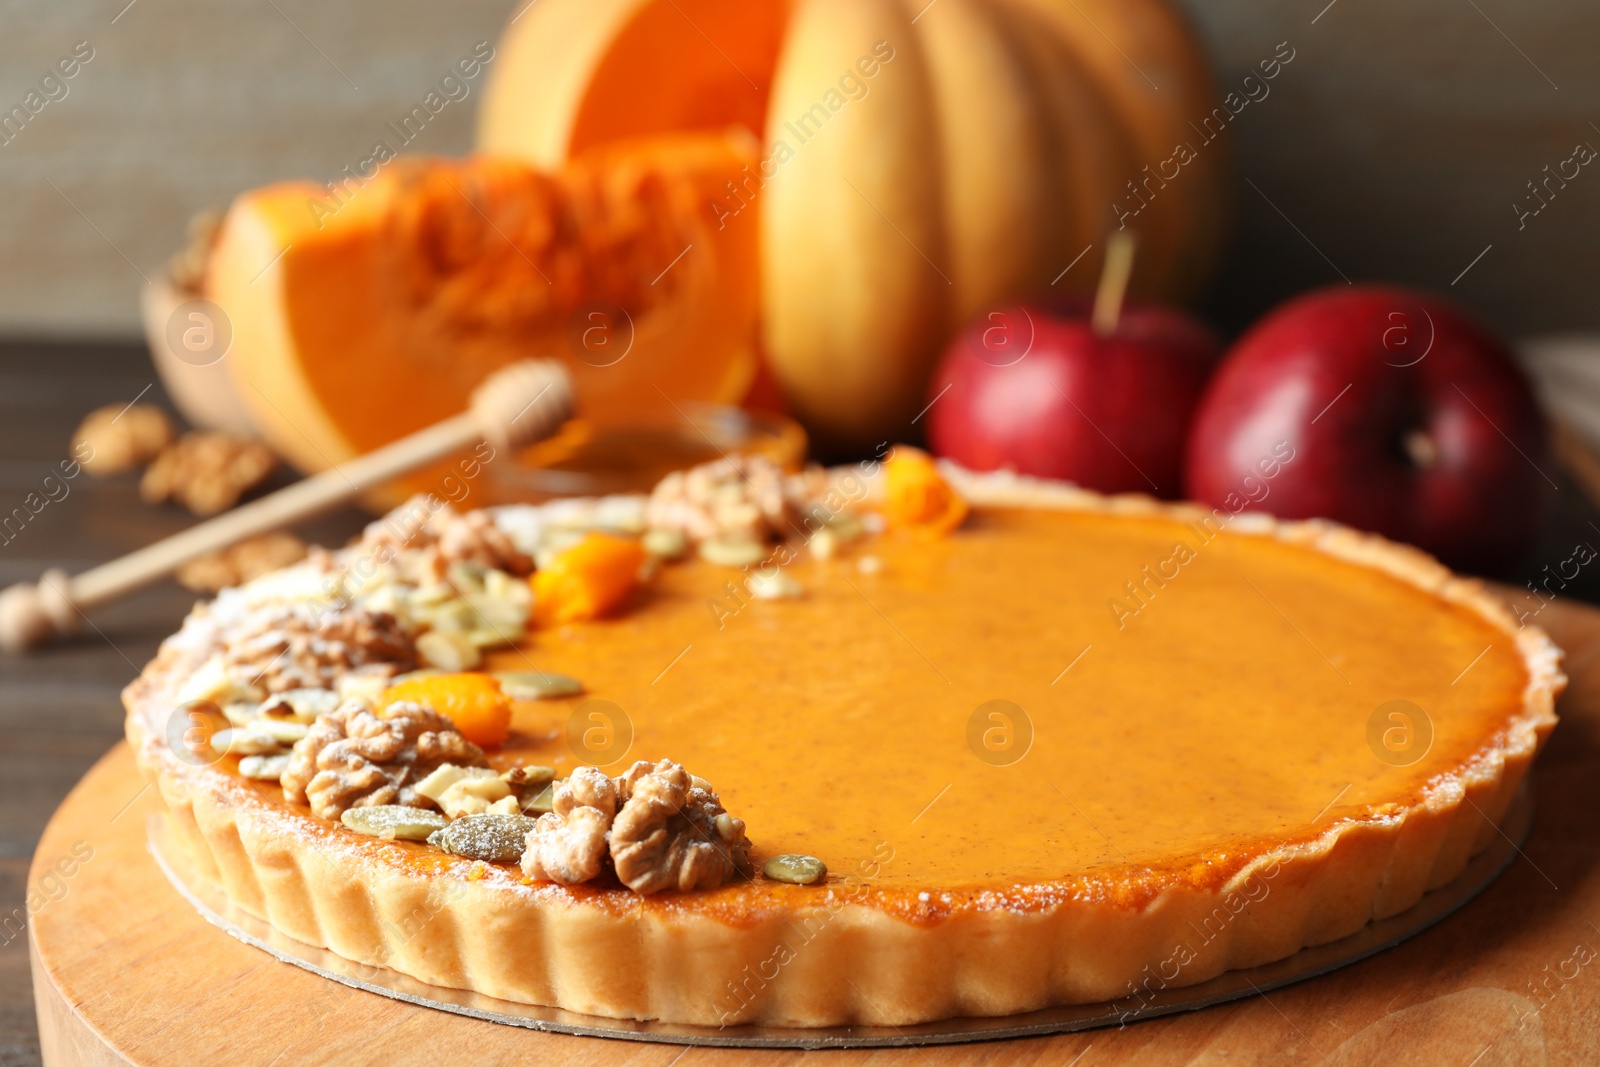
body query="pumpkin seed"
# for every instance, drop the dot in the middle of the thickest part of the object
(537, 685)
(795, 869)
(446, 775)
(242, 712)
(245, 742)
(476, 796)
(665, 544)
(774, 586)
(411, 676)
(824, 544)
(283, 731)
(448, 651)
(491, 838)
(491, 637)
(301, 705)
(846, 527)
(433, 594)
(364, 687)
(732, 553)
(529, 778)
(543, 802)
(393, 821)
(264, 768)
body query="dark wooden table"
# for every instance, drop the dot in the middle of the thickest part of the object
(59, 708)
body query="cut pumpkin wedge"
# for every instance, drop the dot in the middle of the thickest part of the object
(365, 313)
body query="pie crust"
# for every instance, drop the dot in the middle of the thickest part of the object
(847, 953)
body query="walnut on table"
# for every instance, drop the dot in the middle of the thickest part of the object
(119, 437)
(353, 758)
(207, 471)
(660, 828)
(239, 563)
(186, 270)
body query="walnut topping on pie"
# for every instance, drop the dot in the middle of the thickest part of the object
(431, 535)
(285, 646)
(740, 499)
(674, 834)
(354, 758)
(568, 845)
(659, 827)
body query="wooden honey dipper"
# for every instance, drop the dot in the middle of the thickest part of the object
(516, 406)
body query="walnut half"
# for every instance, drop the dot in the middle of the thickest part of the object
(568, 844)
(207, 471)
(738, 498)
(288, 646)
(660, 828)
(241, 562)
(353, 758)
(119, 437)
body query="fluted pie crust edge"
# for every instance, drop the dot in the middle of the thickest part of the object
(486, 931)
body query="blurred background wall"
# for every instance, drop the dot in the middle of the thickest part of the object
(1398, 145)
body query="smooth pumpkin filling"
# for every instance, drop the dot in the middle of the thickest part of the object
(1228, 714)
(1036, 705)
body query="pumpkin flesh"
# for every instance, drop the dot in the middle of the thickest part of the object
(356, 327)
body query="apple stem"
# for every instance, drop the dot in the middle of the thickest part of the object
(1113, 283)
(1421, 449)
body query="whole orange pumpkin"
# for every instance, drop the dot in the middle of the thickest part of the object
(922, 159)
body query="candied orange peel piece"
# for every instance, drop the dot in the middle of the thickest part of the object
(473, 701)
(587, 580)
(916, 495)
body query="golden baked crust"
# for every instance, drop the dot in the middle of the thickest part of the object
(844, 954)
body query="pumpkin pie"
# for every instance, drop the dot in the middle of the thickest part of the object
(878, 745)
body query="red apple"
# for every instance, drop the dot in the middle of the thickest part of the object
(1037, 389)
(1401, 414)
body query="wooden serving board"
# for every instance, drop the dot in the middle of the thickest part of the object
(126, 972)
